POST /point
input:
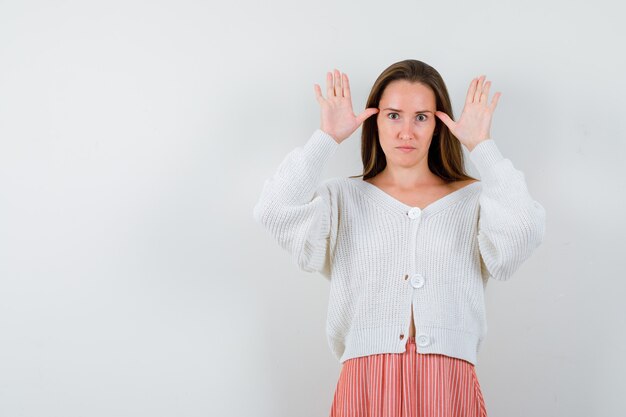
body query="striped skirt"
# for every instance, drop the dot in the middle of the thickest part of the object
(408, 384)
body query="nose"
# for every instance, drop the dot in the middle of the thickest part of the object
(406, 130)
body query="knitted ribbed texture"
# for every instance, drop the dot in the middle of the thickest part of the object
(381, 255)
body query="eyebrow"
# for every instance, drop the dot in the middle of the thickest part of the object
(400, 111)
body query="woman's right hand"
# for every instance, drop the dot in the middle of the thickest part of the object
(338, 118)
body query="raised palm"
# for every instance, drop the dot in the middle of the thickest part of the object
(337, 117)
(475, 122)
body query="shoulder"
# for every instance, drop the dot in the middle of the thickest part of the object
(337, 183)
(457, 185)
(342, 189)
(333, 186)
(465, 182)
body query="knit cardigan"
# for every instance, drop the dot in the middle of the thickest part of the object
(382, 256)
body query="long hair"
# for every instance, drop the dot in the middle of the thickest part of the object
(445, 154)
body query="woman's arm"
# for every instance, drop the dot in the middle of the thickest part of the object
(511, 223)
(296, 209)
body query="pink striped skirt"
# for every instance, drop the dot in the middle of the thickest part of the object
(409, 384)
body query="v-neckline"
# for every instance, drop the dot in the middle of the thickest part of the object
(387, 199)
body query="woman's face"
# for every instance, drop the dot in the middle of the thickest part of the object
(406, 119)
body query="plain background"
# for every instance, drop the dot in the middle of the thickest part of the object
(135, 137)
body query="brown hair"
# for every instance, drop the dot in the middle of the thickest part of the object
(445, 155)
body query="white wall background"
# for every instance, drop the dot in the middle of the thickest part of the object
(134, 140)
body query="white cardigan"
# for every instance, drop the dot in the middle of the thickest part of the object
(380, 255)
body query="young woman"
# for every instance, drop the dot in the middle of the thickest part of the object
(409, 245)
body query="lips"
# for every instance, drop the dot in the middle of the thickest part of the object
(405, 149)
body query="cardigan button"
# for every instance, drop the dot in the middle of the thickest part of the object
(423, 340)
(414, 212)
(417, 281)
(401, 336)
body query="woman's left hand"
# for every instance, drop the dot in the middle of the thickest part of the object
(475, 122)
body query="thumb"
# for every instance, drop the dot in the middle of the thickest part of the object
(366, 114)
(445, 119)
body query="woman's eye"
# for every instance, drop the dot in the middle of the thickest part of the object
(422, 117)
(392, 114)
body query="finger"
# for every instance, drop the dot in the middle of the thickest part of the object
(318, 93)
(470, 91)
(346, 86)
(330, 90)
(485, 94)
(366, 113)
(337, 81)
(445, 119)
(479, 89)
(494, 101)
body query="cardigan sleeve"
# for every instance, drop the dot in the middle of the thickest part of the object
(511, 224)
(297, 209)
